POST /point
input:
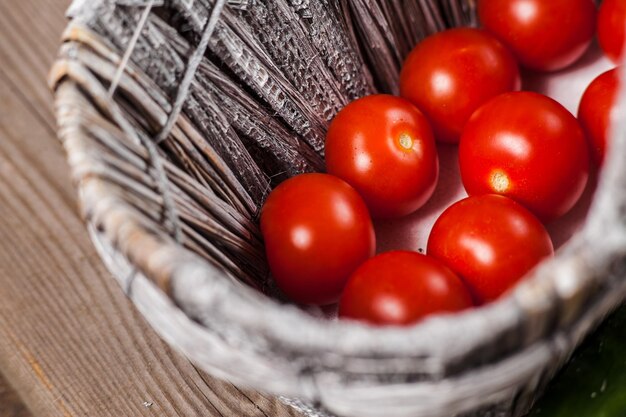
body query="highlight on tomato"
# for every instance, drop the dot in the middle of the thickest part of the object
(528, 147)
(384, 147)
(544, 35)
(401, 288)
(491, 242)
(317, 231)
(451, 73)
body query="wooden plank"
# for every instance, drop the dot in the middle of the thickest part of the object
(30, 32)
(70, 342)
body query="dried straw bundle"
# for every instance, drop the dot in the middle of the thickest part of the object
(178, 117)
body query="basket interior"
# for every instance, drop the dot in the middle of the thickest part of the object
(273, 76)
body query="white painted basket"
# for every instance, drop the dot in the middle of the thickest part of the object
(174, 218)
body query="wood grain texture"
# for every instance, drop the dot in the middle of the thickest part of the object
(70, 342)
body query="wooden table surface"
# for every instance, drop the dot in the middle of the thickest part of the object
(71, 344)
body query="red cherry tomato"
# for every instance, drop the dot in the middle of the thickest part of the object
(384, 147)
(597, 109)
(490, 241)
(400, 288)
(545, 35)
(450, 74)
(317, 231)
(611, 26)
(528, 147)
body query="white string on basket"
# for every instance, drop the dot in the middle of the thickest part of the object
(131, 47)
(192, 65)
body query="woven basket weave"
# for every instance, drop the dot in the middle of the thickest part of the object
(179, 116)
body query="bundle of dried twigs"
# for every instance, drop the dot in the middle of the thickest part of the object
(179, 116)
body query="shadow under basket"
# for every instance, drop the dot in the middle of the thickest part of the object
(179, 116)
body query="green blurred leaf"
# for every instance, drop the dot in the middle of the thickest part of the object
(593, 383)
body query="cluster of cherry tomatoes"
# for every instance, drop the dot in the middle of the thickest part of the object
(524, 161)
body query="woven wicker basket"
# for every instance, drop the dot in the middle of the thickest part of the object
(178, 117)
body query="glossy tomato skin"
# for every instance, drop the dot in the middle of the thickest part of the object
(317, 231)
(400, 288)
(490, 241)
(528, 147)
(384, 147)
(544, 35)
(596, 111)
(611, 27)
(450, 74)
